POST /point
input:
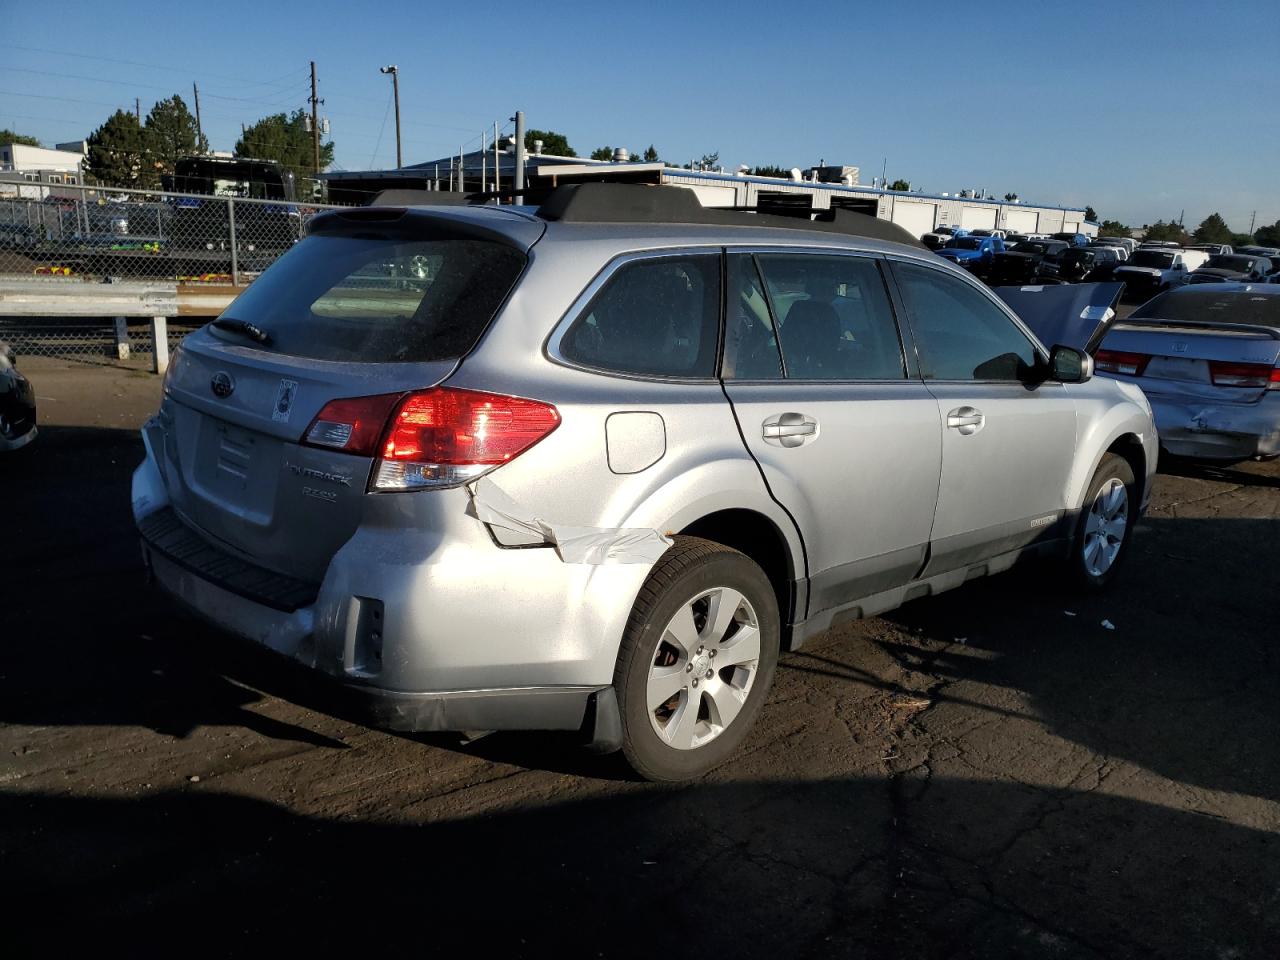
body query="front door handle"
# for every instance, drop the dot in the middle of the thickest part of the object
(789, 429)
(968, 420)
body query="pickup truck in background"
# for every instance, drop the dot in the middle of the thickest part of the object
(940, 235)
(974, 253)
(1031, 261)
(1152, 270)
(1234, 267)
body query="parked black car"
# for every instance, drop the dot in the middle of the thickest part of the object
(1029, 262)
(1087, 265)
(17, 403)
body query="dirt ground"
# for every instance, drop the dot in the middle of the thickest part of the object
(1007, 770)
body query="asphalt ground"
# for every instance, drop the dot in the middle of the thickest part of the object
(1008, 770)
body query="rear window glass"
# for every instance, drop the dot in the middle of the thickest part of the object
(379, 299)
(659, 317)
(1233, 306)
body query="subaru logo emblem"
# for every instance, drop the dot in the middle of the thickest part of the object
(222, 385)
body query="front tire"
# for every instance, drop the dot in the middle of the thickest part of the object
(1106, 523)
(696, 661)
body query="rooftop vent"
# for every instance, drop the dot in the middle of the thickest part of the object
(621, 155)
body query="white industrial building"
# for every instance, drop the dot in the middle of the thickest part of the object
(36, 172)
(820, 188)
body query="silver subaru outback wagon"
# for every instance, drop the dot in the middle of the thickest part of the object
(592, 467)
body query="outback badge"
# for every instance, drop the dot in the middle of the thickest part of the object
(222, 385)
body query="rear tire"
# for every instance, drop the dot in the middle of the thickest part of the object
(696, 661)
(1105, 525)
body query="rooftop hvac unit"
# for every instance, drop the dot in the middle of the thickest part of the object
(621, 155)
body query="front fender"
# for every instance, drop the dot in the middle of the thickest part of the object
(1107, 410)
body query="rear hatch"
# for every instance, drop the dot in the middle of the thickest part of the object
(372, 303)
(1212, 345)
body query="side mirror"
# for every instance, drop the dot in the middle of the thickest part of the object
(1069, 365)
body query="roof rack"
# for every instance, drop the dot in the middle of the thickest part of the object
(643, 203)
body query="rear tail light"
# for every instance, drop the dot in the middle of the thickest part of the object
(1117, 361)
(1225, 374)
(439, 437)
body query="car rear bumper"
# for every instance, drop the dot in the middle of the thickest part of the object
(1218, 431)
(431, 629)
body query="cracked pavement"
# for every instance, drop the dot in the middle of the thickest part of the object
(988, 773)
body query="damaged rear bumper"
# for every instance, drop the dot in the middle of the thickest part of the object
(1218, 431)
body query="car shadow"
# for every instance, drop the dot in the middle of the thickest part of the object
(1182, 682)
(1244, 475)
(858, 867)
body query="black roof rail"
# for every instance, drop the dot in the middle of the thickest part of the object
(643, 203)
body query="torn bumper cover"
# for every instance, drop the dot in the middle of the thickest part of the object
(594, 545)
(1217, 431)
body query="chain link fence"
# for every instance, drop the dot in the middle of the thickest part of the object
(98, 234)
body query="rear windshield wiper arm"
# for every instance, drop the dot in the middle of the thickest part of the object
(250, 330)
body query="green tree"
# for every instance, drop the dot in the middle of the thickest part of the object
(1167, 231)
(602, 153)
(1268, 236)
(285, 139)
(170, 133)
(1114, 228)
(1011, 197)
(1090, 214)
(7, 136)
(555, 144)
(903, 185)
(651, 155)
(770, 171)
(116, 153)
(1212, 229)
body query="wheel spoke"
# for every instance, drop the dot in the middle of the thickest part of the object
(724, 605)
(1091, 551)
(1094, 522)
(682, 631)
(680, 728)
(1115, 501)
(665, 683)
(726, 703)
(743, 647)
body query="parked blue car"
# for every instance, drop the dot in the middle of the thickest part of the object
(973, 253)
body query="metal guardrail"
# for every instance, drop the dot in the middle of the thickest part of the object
(55, 318)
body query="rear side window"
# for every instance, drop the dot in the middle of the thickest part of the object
(833, 317)
(380, 299)
(657, 316)
(962, 335)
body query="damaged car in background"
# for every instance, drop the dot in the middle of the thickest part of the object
(613, 456)
(17, 403)
(1208, 358)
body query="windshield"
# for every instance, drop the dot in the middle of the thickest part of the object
(1151, 258)
(1232, 306)
(379, 299)
(1228, 262)
(964, 243)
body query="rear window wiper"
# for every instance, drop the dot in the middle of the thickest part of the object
(250, 330)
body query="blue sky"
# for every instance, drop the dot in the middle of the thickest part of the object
(1142, 109)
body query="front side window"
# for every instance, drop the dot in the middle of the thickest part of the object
(657, 316)
(961, 334)
(809, 317)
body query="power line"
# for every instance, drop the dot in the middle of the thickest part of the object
(186, 71)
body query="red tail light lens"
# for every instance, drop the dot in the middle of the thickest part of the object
(1225, 374)
(1117, 361)
(432, 438)
(1274, 382)
(352, 425)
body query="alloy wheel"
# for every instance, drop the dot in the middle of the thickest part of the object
(1105, 527)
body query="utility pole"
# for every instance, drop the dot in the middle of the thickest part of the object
(484, 163)
(462, 172)
(497, 157)
(395, 87)
(137, 109)
(315, 121)
(1252, 220)
(195, 89)
(519, 178)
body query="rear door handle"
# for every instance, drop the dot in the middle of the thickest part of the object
(968, 420)
(789, 429)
